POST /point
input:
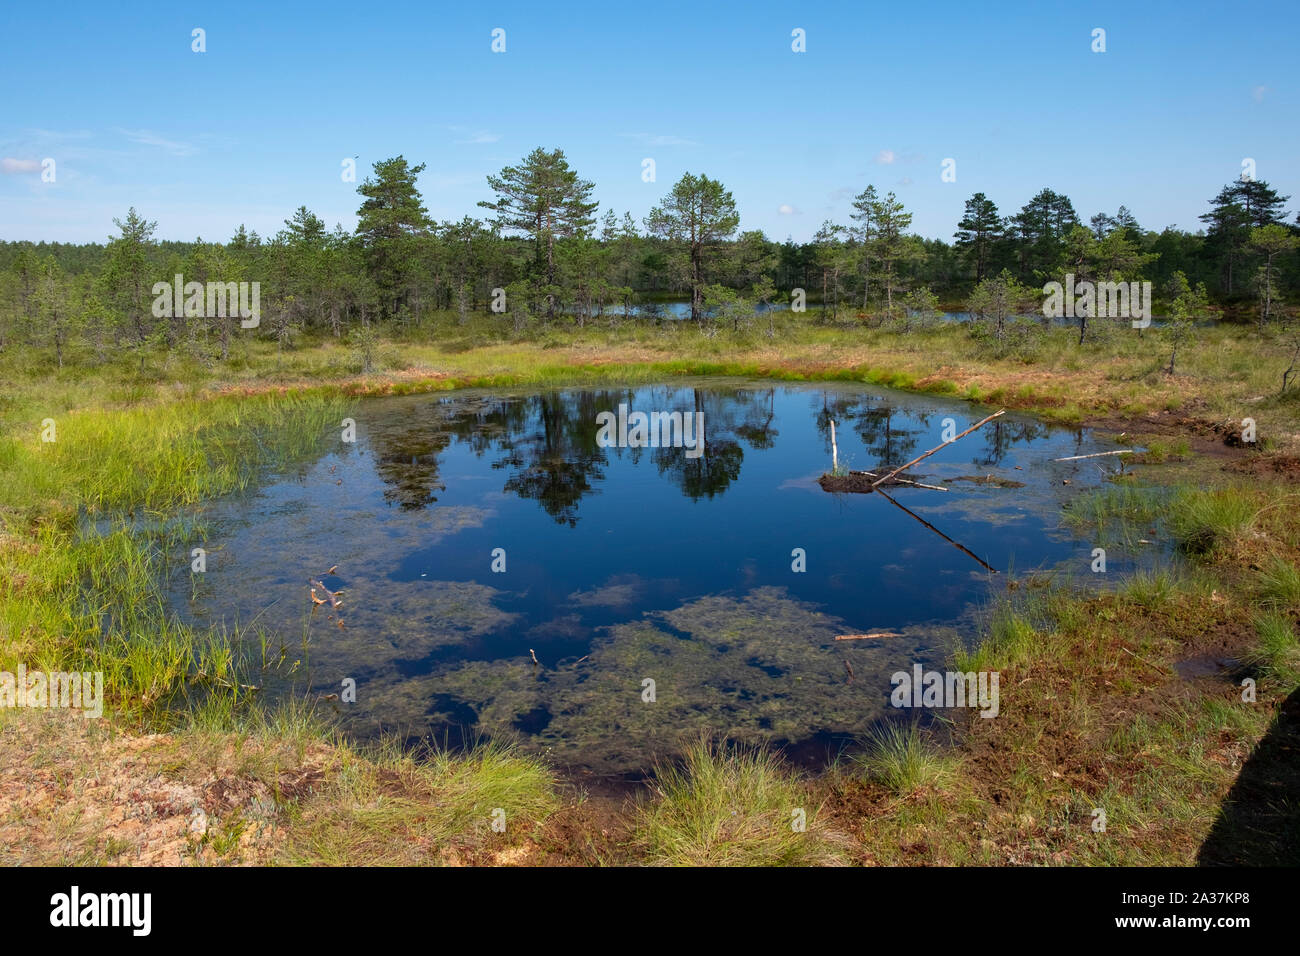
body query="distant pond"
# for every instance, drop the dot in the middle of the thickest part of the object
(627, 565)
(674, 310)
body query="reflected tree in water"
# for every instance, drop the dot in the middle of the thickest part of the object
(876, 422)
(1000, 435)
(548, 442)
(558, 461)
(711, 472)
(406, 458)
(759, 433)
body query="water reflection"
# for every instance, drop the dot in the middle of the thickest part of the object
(622, 564)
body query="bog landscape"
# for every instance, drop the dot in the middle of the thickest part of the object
(516, 487)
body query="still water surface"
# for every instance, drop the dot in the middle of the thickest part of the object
(624, 565)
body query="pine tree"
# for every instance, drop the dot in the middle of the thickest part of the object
(125, 284)
(696, 216)
(1238, 208)
(544, 199)
(388, 222)
(1041, 227)
(980, 227)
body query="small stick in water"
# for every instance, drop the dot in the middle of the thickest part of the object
(1100, 454)
(901, 481)
(849, 668)
(534, 656)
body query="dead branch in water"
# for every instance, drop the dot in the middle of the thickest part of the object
(861, 483)
(1100, 454)
(919, 458)
(955, 544)
(334, 599)
(865, 637)
(900, 481)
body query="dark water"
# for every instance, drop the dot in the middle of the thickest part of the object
(630, 564)
(676, 309)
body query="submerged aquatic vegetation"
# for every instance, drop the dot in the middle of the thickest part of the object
(761, 668)
(1118, 515)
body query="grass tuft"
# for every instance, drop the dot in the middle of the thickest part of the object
(1277, 655)
(901, 759)
(385, 807)
(1279, 583)
(1206, 521)
(725, 805)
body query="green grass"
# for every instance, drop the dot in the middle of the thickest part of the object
(1152, 589)
(1010, 637)
(162, 455)
(1204, 521)
(83, 594)
(902, 760)
(1277, 655)
(387, 807)
(1279, 583)
(1160, 450)
(729, 806)
(1117, 515)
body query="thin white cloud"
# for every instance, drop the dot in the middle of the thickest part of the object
(1257, 93)
(15, 167)
(786, 209)
(147, 137)
(886, 157)
(59, 134)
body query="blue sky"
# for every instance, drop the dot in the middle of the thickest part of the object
(259, 124)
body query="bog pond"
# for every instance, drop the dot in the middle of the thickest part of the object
(470, 531)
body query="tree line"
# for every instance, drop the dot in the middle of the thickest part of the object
(542, 252)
